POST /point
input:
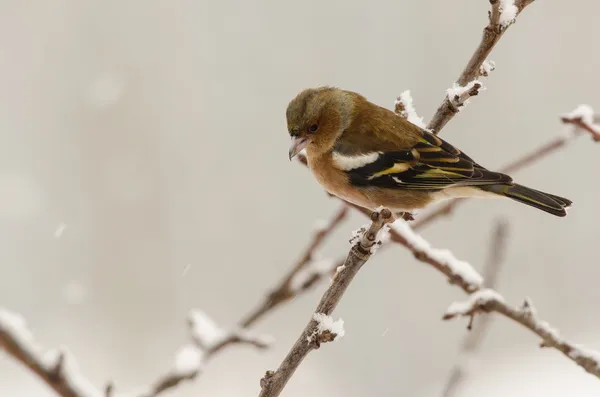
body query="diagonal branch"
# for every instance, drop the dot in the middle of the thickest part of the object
(483, 300)
(501, 16)
(321, 328)
(59, 370)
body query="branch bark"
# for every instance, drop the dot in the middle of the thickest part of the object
(487, 300)
(310, 339)
(491, 35)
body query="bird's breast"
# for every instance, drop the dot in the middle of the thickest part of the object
(335, 180)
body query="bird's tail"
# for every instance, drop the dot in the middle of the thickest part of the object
(550, 203)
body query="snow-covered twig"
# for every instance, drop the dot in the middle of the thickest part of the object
(404, 107)
(576, 123)
(583, 118)
(502, 14)
(321, 328)
(459, 95)
(305, 273)
(59, 370)
(473, 340)
(488, 300)
(207, 338)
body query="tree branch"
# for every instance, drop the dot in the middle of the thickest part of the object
(59, 370)
(499, 20)
(487, 300)
(297, 280)
(314, 333)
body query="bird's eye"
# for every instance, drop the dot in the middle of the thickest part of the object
(313, 128)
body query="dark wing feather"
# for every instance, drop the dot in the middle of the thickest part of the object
(431, 164)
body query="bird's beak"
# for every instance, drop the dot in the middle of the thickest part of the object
(298, 143)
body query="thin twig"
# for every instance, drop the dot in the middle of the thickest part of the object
(473, 340)
(284, 291)
(274, 381)
(66, 380)
(491, 34)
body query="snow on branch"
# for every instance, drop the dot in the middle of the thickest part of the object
(458, 95)
(404, 107)
(210, 337)
(583, 118)
(321, 327)
(503, 13)
(58, 368)
(490, 301)
(457, 271)
(328, 329)
(487, 300)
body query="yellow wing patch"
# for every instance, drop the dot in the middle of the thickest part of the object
(397, 168)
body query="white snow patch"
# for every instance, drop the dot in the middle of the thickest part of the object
(326, 323)
(204, 330)
(15, 325)
(457, 267)
(487, 67)
(476, 299)
(188, 360)
(508, 12)
(583, 112)
(409, 112)
(458, 96)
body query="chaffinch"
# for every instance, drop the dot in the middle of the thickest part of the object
(371, 157)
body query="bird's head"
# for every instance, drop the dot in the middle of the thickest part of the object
(317, 117)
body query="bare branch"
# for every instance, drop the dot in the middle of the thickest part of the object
(499, 21)
(274, 381)
(473, 340)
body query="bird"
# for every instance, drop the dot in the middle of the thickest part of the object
(371, 157)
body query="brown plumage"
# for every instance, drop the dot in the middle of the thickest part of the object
(369, 156)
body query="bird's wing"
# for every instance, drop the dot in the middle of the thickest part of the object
(431, 163)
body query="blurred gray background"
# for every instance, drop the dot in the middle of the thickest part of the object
(143, 137)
